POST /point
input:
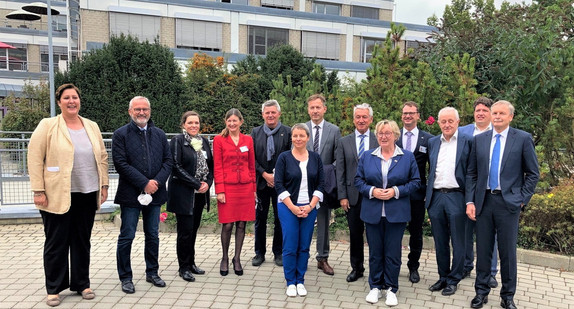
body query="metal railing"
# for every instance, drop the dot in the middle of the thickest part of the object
(14, 179)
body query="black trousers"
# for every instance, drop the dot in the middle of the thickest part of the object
(415, 228)
(69, 233)
(357, 242)
(267, 196)
(187, 227)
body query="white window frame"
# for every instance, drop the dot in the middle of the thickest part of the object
(143, 27)
(198, 34)
(320, 45)
(251, 39)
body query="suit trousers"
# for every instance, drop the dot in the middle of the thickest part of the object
(130, 218)
(187, 227)
(496, 219)
(385, 246)
(357, 242)
(297, 236)
(447, 212)
(323, 218)
(469, 249)
(69, 233)
(415, 228)
(267, 196)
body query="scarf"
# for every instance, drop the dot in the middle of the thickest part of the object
(270, 141)
(196, 143)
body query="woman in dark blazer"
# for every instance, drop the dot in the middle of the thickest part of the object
(188, 189)
(386, 176)
(299, 183)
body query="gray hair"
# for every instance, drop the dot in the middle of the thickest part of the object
(363, 106)
(301, 126)
(138, 98)
(270, 103)
(447, 109)
(505, 103)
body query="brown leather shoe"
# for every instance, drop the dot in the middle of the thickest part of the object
(324, 265)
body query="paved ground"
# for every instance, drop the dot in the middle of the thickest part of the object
(22, 279)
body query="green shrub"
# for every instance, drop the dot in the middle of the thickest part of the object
(546, 224)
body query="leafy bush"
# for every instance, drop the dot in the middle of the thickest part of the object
(546, 224)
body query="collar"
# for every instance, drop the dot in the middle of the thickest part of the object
(415, 131)
(453, 138)
(489, 127)
(321, 125)
(367, 133)
(377, 152)
(503, 133)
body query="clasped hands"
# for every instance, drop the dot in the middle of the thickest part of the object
(301, 211)
(383, 194)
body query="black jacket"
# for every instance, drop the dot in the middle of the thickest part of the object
(282, 140)
(182, 181)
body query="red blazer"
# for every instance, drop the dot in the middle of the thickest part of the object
(233, 164)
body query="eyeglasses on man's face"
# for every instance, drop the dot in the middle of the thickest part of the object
(410, 113)
(139, 110)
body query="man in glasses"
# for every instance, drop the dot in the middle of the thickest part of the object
(415, 141)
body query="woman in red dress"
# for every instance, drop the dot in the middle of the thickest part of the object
(234, 175)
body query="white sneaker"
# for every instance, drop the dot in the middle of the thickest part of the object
(291, 290)
(301, 290)
(374, 295)
(391, 298)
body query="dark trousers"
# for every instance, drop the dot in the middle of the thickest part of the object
(447, 212)
(297, 236)
(187, 226)
(385, 247)
(496, 218)
(323, 245)
(469, 249)
(356, 231)
(69, 233)
(267, 196)
(130, 218)
(415, 227)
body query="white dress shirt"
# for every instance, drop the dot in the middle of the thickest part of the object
(503, 138)
(446, 163)
(365, 139)
(414, 138)
(313, 131)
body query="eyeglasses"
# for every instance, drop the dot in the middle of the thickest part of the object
(139, 110)
(385, 134)
(410, 113)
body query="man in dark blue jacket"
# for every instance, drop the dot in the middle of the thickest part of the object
(143, 161)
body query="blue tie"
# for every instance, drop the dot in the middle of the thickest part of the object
(361, 145)
(494, 162)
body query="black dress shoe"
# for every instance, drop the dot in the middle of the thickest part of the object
(187, 275)
(508, 304)
(257, 260)
(128, 287)
(155, 280)
(449, 290)
(354, 275)
(414, 276)
(196, 270)
(279, 260)
(492, 283)
(439, 285)
(466, 274)
(478, 301)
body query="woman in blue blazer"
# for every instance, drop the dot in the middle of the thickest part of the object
(299, 184)
(386, 176)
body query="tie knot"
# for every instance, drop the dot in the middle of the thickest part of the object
(409, 133)
(317, 127)
(362, 136)
(497, 135)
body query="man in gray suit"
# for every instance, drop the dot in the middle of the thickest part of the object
(349, 149)
(501, 178)
(324, 137)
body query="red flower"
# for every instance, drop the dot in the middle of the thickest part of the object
(430, 120)
(163, 216)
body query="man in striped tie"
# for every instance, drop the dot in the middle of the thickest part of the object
(350, 148)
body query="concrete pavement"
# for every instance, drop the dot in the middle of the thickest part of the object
(22, 279)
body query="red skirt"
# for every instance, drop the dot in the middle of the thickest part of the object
(239, 204)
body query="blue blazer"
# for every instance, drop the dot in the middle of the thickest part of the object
(518, 170)
(463, 147)
(403, 173)
(288, 175)
(467, 130)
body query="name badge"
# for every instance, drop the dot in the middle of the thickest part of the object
(204, 153)
(243, 148)
(423, 149)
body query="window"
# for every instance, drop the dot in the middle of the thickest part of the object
(278, 4)
(364, 12)
(144, 27)
(197, 34)
(261, 39)
(244, 2)
(326, 8)
(14, 59)
(59, 22)
(320, 45)
(60, 53)
(367, 48)
(415, 44)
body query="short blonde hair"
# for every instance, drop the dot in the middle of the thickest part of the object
(394, 127)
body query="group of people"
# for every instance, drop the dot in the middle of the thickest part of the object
(380, 184)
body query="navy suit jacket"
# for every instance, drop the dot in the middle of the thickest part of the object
(463, 148)
(518, 170)
(403, 173)
(348, 159)
(467, 130)
(422, 157)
